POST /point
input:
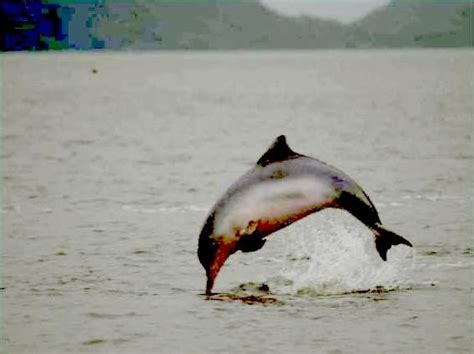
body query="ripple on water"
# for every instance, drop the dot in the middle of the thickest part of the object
(248, 293)
(246, 299)
(102, 315)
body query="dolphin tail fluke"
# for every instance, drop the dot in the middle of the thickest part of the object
(384, 239)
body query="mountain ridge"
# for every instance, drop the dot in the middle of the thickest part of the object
(226, 24)
(249, 24)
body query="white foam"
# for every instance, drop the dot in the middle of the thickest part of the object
(336, 257)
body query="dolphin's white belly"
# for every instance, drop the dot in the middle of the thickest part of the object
(272, 202)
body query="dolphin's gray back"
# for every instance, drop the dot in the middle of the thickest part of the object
(302, 166)
(342, 190)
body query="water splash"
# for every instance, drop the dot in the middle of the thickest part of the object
(334, 257)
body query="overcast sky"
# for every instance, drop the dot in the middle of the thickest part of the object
(342, 10)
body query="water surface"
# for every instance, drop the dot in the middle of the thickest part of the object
(111, 161)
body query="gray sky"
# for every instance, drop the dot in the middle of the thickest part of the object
(342, 10)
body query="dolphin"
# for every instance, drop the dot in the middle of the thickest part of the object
(283, 187)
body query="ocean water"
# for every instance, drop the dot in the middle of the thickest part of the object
(111, 162)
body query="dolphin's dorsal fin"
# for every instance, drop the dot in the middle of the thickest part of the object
(278, 151)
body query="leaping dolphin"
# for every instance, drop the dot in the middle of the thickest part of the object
(283, 187)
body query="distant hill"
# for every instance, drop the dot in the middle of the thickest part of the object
(212, 25)
(415, 23)
(248, 24)
(226, 24)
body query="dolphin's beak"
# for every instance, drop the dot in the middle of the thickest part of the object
(224, 250)
(212, 255)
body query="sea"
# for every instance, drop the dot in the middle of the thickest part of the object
(111, 161)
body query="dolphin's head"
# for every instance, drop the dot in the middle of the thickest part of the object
(212, 252)
(207, 251)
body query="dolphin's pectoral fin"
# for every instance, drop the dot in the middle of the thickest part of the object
(251, 243)
(251, 239)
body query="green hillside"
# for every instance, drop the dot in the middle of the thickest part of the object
(212, 25)
(226, 24)
(416, 23)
